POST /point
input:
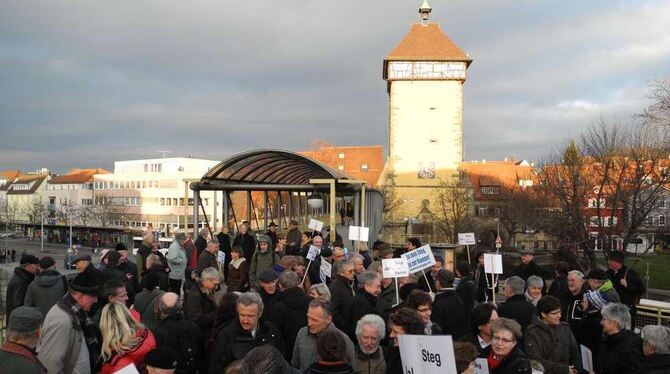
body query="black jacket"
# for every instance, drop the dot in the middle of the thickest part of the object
(163, 282)
(553, 346)
(518, 309)
(200, 244)
(16, 289)
(130, 270)
(655, 364)
(482, 291)
(363, 304)
(620, 353)
(572, 313)
(342, 298)
(526, 270)
(330, 367)
(559, 286)
(290, 315)
(629, 295)
(232, 343)
(393, 361)
(269, 301)
(224, 246)
(48, 287)
(515, 363)
(206, 260)
(449, 314)
(466, 290)
(200, 308)
(184, 337)
(248, 244)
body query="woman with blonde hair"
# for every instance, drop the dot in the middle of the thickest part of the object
(155, 266)
(124, 340)
(320, 291)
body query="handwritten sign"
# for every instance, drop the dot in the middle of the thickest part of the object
(394, 268)
(587, 359)
(315, 225)
(313, 252)
(466, 238)
(221, 257)
(325, 270)
(427, 354)
(359, 233)
(419, 259)
(481, 366)
(493, 263)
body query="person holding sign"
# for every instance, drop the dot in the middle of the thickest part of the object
(422, 302)
(550, 341)
(402, 321)
(504, 355)
(465, 354)
(448, 308)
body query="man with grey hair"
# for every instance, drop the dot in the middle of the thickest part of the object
(17, 353)
(656, 348)
(207, 258)
(365, 301)
(370, 330)
(290, 311)
(145, 249)
(621, 348)
(199, 305)
(572, 312)
(243, 334)
(176, 258)
(342, 296)
(516, 306)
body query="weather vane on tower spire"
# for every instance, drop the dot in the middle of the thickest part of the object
(424, 11)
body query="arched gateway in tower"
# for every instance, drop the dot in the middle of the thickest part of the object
(425, 74)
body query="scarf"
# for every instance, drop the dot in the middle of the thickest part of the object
(82, 321)
(236, 263)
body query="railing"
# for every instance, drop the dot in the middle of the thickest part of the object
(652, 312)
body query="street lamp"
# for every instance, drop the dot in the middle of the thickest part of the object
(315, 200)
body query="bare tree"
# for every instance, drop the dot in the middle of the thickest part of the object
(658, 112)
(392, 201)
(105, 210)
(453, 209)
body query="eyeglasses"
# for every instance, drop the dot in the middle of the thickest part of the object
(498, 339)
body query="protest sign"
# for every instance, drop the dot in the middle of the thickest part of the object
(493, 263)
(481, 366)
(394, 268)
(130, 369)
(221, 257)
(587, 359)
(466, 238)
(359, 233)
(419, 259)
(325, 269)
(315, 225)
(313, 252)
(427, 354)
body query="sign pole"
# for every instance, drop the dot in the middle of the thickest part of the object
(397, 292)
(306, 270)
(467, 248)
(426, 278)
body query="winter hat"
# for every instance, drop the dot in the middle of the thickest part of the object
(617, 256)
(25, 319)
(596, 299)
(85, 283)
(597, 274)
(267, 276)
(28, 259)
(46, 262)
(82, 257)
(161, 358)
(264, 239)
(120, 247)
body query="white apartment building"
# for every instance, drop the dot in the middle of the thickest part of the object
(153, 192)
(70, 196)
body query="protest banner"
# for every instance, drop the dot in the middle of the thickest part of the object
(313, 252)
(394, 268)
(493, 265)
(325, 269)
(427, 354)
(587, 359)
(466, 238)
(359, 233)
(419, 259)
(481, 366)
(221, 257)
(315, 225)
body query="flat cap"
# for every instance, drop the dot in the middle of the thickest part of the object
(82, 257)
(267, 276)
(46, 262)
(28, 259)
(25, 319)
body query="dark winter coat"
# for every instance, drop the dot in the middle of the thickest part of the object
(321, 367)
(373, 363)
(144, 299)
(232, 343)
(16, 289)
(248, 244)
(393, 361)
(620, 353)
(238, 276)
(572, 313)
(290, 315)
(553, 346)
(559, 286)
(518, 309)
(293, 236)
(200, 244)
(224, 246)
(655, 364)
(386, 300)
(466, 290)
(341, 299)
(201, 309)
(269, 301)
(526, 270)
(515, 363)
(183, 336)
(143, 251)
(163, 282)
(449, 313)
(628, 295)
(425, 283)
(482, 291)
(206, 260)
(364, 303)
(133, 278)
(46, 290)
(17, 358)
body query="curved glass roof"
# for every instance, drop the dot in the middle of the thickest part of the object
(270, 166)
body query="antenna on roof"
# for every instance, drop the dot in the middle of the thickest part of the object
(164, 152)
(424, 11)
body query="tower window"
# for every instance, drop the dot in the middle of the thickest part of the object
(364, 167)
(341, 155)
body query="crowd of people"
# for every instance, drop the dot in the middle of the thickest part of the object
(265, 307)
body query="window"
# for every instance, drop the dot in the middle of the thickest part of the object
(490, 190)
(162, 201)
(174, 201)
(144, 184)
(364, 167)
(146, 168)
(341, 156)
(340, 167)
(650, 221)
(661, 203)
(482, 211)
(168, 202)
(661, 220)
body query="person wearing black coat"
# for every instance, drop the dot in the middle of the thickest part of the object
(656, 348)
(466, 286)
(483, 293)
(129, 268)
(342, 296)
(626, 281)
(290, 311)
(17, 286)
(516, 306)
(200, 307)
(621, 349)
(504, 355)
(365, 301)
(201, 240)
(235, 340)
(448, 308)
(515, 363)
(224, 246)
(529, 267)
(246, 241)
(178, 333)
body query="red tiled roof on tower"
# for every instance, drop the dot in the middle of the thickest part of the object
(427, 42)
(77, 176)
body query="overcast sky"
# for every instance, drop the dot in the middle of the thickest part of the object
(84, 83)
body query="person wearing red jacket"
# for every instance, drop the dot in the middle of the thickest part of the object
(124, 340)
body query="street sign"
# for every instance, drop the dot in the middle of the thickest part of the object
(498, 242)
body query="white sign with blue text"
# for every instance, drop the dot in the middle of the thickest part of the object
(419, 259)
(427, 354)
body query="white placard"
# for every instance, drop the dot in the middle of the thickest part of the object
(394, 268)
(493, 263)
(419, 258)
(587, 359)
(221, 257)
(466, 238)
(481, 366)
(359, 233)
(313, 252)
(325, 269)
(130, 369)
(427, 354)
(135, 251)
(315, 224)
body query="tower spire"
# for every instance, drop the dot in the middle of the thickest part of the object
(424, 11)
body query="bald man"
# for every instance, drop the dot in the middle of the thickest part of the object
(178, 333)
